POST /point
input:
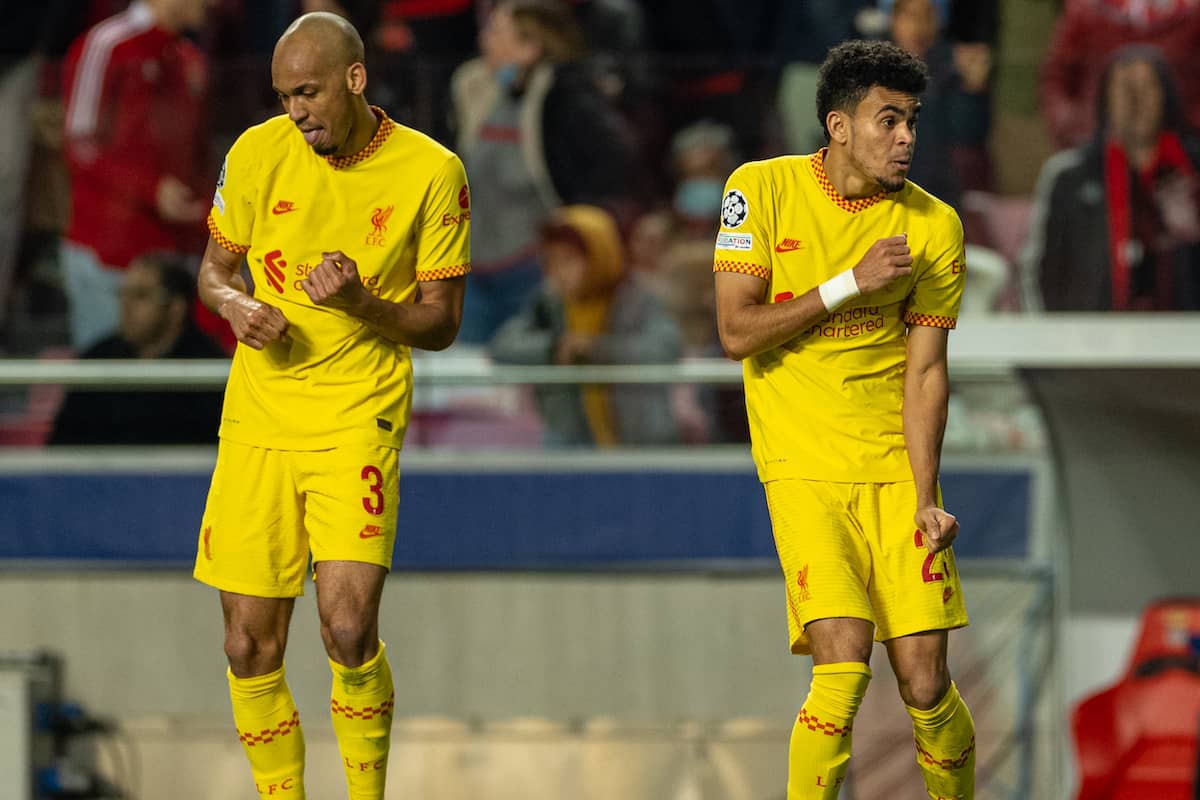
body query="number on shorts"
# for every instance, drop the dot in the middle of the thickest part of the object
(927, 573)
(373, 502)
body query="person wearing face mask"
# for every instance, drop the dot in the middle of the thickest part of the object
(702, 156)
(535, 133)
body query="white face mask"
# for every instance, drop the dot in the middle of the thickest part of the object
(506, 75)
(699, 198)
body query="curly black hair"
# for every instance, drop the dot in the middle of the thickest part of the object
(852, 68)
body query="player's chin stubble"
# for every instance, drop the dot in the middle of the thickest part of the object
(888, 184)
(891, 182)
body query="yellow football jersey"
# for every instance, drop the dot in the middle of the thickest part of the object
(827, 404)
(401, 209)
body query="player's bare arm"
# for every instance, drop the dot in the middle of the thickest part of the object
(222, 289)
(748, 325)
(926, 392)
(430, 323)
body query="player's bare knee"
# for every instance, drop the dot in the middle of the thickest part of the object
(251, 654)
(350, 642)
(838, 640)
(925, 688)
(842, 654)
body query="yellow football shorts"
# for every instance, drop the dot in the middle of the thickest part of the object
(267, 509)
(853, 550)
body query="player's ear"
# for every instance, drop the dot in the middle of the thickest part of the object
(838, 124)
(356, 78)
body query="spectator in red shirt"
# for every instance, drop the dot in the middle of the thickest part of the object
(137, 151)
(1087, 35)
(1116, 223)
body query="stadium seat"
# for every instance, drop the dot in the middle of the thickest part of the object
(471, 416)
(1006, 222)
(1136, 740)
(31, 425)
(987, 280)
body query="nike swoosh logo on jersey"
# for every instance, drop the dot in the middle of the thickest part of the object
(283, 207)
(370, 532)
(789, 246)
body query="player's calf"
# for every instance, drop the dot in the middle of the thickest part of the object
(819, 752)
(945, 741)
(360, 706)
(268, 726)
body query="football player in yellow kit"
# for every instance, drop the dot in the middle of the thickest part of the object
(837, 284)
(356, 232)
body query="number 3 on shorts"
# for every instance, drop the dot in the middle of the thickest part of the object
(373, 502)
(927, 573)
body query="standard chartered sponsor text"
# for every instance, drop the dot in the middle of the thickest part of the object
(848, 322)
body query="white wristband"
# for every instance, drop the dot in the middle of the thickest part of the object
(838, 289)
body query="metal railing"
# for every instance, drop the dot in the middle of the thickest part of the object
(983, 349)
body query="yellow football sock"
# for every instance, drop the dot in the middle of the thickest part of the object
(945, 737)
(361, 707)
(269, 727)
(819, 753)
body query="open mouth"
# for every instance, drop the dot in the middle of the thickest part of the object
(311, 135)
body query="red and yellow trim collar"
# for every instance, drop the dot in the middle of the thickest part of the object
(386, 126)
(853, 206)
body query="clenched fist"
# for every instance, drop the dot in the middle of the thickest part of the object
(886, 261)
(334, 282)
(939, 527)
(254, 322)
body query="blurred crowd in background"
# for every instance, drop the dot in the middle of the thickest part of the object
(597, 135)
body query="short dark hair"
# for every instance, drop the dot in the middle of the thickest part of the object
(852, 68)
(174, 275)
